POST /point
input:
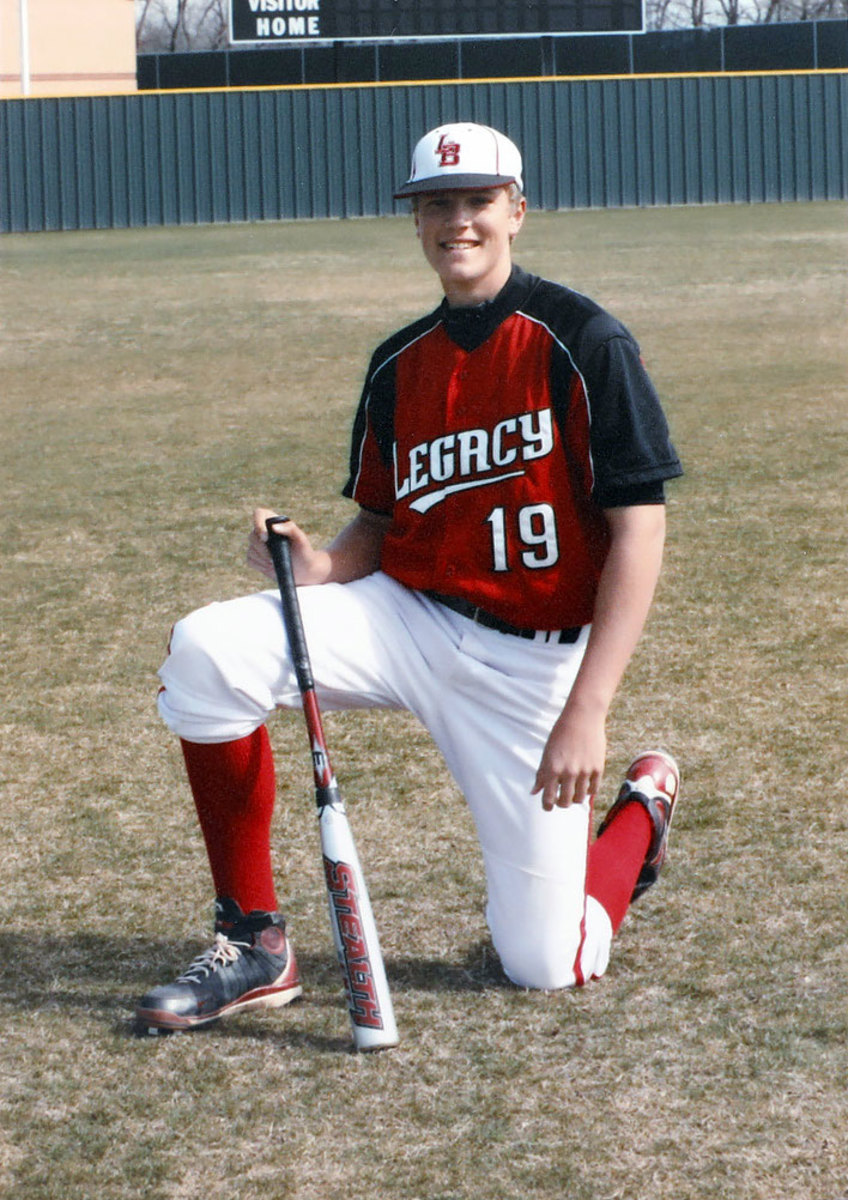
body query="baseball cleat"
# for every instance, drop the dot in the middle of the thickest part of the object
(652, 780)
(251, 964)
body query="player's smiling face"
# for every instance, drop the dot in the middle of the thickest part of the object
(466, 238)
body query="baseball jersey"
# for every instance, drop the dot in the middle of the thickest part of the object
(495, 436)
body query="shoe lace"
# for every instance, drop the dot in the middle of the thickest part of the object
(222, 954)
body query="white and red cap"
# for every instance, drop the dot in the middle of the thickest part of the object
(462, 156)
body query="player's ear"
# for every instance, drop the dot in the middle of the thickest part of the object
(516, 217)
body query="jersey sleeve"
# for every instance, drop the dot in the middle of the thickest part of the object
(371, 478)
(629, 436)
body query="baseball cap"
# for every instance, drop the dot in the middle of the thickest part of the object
(462, 156)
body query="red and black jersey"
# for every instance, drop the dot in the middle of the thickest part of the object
(495, 437)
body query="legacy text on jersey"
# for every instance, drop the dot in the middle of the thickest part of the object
(452, 458)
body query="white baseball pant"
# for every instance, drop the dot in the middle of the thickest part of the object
(488, 700)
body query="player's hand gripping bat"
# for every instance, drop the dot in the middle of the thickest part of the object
(354, 931)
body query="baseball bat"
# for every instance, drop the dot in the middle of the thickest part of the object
(355, 937)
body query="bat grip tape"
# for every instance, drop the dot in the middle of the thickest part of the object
(280, 550)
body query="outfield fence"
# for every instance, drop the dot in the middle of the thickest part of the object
(173, 158)
(784, 46)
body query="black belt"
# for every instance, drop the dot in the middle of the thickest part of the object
(466, 609)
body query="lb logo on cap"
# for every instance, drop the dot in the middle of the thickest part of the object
(448, 151)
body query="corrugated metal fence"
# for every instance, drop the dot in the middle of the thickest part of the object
(199, 157)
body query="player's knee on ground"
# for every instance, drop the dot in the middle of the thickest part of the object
(558, 956)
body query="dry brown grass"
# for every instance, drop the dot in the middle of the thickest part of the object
(155, 386)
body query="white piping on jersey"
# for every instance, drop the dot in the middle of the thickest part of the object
(377, 371)
(577, 372)
(425, 333)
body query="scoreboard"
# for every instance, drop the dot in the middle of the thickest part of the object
(258, 21)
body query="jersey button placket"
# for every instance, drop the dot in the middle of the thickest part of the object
(455, 411)
(457, 405)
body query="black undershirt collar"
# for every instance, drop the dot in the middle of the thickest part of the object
(471, 327)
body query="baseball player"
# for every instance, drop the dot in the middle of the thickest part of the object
(508, 462)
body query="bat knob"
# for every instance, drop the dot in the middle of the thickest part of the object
(272, 521)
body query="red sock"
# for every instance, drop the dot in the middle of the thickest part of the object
(616, 859)
(233, 785)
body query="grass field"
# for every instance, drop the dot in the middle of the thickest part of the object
(156, 385)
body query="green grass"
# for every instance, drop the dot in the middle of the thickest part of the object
(156, 385)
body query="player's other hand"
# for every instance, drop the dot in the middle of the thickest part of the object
(572, 764)
(308, 563)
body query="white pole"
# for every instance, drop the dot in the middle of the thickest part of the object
(24, 47)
